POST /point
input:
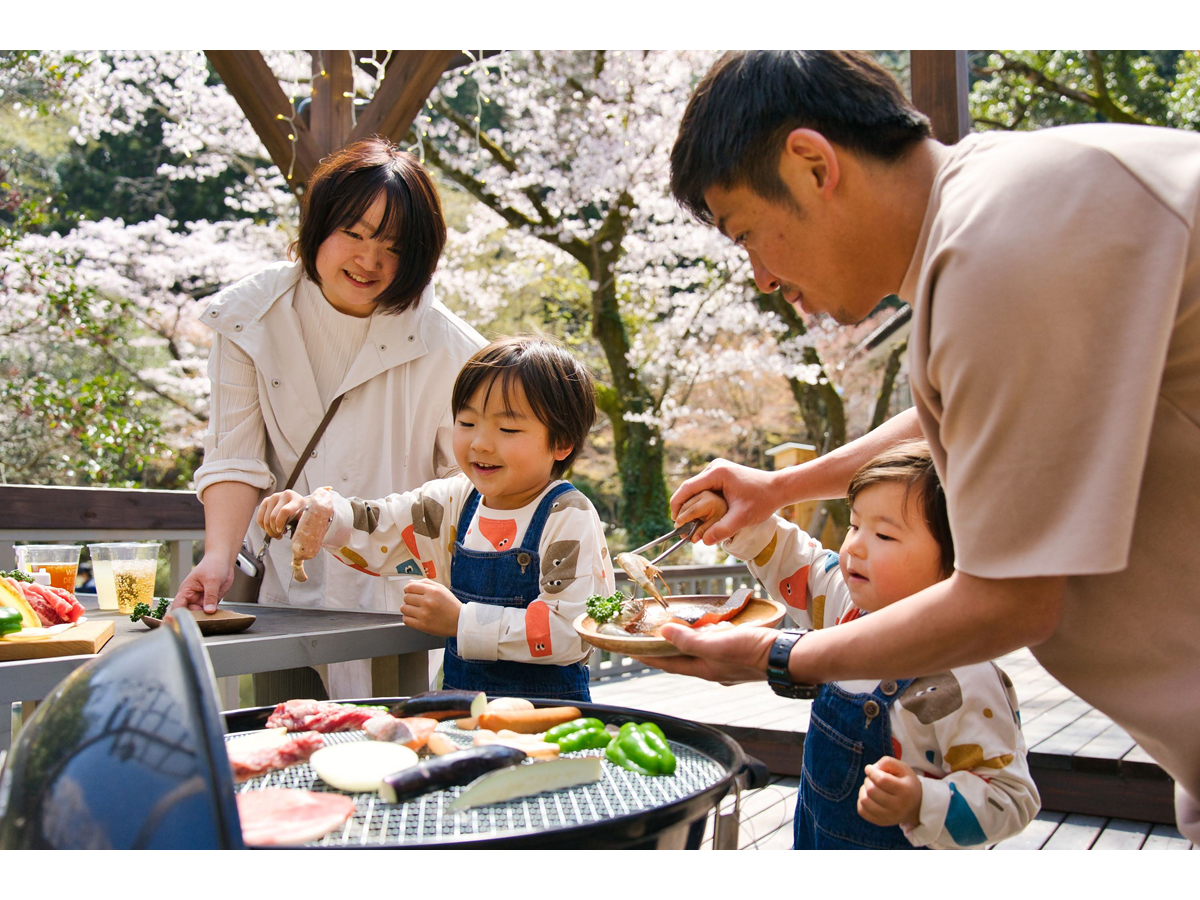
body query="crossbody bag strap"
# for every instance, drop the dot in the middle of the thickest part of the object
(304, 457)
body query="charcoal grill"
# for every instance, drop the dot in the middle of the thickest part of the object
(129, 751)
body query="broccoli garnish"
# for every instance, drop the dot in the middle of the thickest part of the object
(164, 604)
(141, 609)
(18, 575)
(601, 609)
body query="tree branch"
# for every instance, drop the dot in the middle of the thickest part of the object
(884, 397)
(1096, 100)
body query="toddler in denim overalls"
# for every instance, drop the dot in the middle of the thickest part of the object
(937, 761)
(502, 558)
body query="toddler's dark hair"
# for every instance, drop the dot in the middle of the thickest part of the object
(910, 462)
(559, 387)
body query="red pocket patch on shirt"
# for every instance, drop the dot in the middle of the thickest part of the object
(537, 629)
(500, 533)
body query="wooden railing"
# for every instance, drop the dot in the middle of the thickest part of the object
(39, 514)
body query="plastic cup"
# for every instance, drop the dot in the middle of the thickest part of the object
(59, 561)
(133, 567)
(102, 572)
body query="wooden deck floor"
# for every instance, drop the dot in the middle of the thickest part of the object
(1099, 788)
(765, 823)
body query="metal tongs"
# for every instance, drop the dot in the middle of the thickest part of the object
(686, 530)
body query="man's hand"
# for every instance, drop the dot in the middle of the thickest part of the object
(205, 585)
(708, 507)
(751, 494)
(430, 607)
(891, 795)
(728, 655)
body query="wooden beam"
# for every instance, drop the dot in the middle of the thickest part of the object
(409, 78)
(34, 507)
(939, 89)
(253, 85)
(331, 114)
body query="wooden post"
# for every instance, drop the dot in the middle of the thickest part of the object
(792, 454)
(332, 111)
(939, 89)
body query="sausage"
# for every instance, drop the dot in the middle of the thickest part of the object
(310, 531)
(528, 721)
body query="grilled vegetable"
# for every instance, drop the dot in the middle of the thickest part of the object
(528, 721)
(446, 771)
(441, 705)
(529, 743)
(584, 739)
(642, 749)
(10, 620)
(601, 609)
(561, 731)
(360, 766)
(521, 781)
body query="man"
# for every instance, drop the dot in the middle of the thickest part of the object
(1055, 368)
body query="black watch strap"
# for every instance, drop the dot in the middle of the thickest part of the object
(777, 668)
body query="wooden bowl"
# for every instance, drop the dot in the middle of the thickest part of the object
(759, 611)
(223, 621)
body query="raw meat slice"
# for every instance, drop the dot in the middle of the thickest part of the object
(76, 610)
(311, 715)
(281, 816)
(412, 732)
(260, 758)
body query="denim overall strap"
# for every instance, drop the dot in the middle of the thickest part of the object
(509, 579)
(846, 732)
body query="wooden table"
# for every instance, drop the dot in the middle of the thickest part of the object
(281, 638)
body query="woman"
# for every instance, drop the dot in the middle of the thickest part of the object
(354, 314)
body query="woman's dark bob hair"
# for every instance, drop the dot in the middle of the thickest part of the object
(342, 189)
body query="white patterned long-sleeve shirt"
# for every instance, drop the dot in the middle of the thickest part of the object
(413, 534)
(960, 731)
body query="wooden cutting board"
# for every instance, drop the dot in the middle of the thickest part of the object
(82, 639)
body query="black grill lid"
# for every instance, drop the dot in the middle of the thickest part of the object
(127, 753)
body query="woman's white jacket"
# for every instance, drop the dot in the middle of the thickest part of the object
(391, 433)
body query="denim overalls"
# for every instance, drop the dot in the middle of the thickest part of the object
(845, 732)
(509, 578)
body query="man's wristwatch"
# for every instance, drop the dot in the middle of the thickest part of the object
(777, 668)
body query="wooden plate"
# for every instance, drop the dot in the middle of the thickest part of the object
(223, 621)
(759, 611)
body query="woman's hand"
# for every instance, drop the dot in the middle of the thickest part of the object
(275, 512)
(891, 795)
(430, 607)
(728, 655)
(751, 494)
(708, 507)
(205, 585)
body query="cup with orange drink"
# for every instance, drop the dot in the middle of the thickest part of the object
(59, 561)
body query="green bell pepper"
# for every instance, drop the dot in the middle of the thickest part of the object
(561, 731)
(583, 739)
(642, 749)
(10, 620)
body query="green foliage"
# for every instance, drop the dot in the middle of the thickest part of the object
(1019, 90)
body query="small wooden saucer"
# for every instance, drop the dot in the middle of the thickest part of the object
(223, 621)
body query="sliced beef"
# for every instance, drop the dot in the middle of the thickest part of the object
(285, 816)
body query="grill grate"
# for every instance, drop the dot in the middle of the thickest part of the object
(427, 820)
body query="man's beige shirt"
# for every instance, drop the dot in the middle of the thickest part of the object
(1055, 366)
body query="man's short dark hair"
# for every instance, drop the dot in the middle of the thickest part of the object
(342, 189)
(737, 120)
(558, 386)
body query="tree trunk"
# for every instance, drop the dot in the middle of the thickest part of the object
(884, 399)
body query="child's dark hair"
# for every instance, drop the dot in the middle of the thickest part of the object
(910, 463)
(559, 387)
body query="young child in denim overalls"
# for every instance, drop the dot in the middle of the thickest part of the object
(937, 761)
(502, 558)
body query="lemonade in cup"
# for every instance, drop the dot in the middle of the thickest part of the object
(133, 567)
(102, 572)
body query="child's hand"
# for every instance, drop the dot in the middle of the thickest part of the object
(276, 511)
(891, 795)
(431, 608)
(707, 506)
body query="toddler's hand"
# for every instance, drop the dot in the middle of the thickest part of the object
(276, 511)
(891, 795)
(707, 506)
(430, 607)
